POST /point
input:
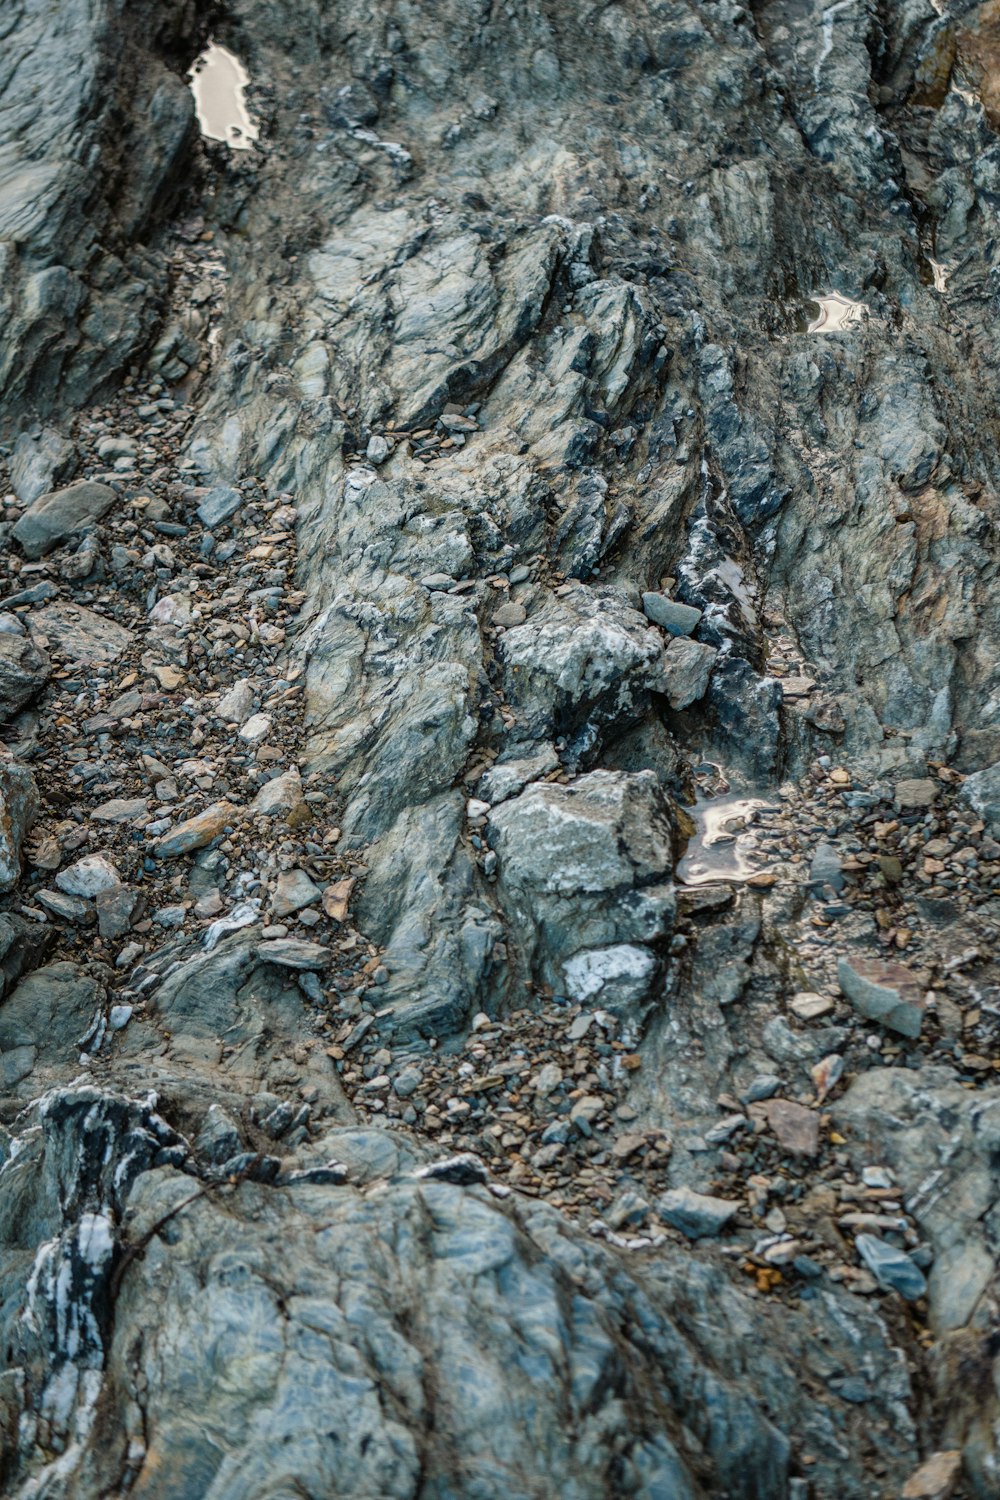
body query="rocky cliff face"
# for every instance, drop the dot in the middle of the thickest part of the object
(500, 793)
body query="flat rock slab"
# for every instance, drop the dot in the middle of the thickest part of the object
(915, 793)
(196, 832)
(51, 518)
(888, 993)
(81, 635)
(795, 1127)
(120, 809)
(697, 1215)
(293, 953)
(24, 671)
(674, 618)
(69, 908)
(18, 808)
(893, 1269)
(88, 876)
(936, 1479)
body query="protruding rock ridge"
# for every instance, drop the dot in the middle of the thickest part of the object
(95, 129)
(499, 817)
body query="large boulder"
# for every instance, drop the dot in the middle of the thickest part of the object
(584, 659)
(24, 670)
(44, 1022)
(391, 1335)
(52, 518)
(18, 808)
(39, 458)
(585, 869)
(982, 792)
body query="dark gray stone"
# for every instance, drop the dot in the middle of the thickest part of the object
(24, 670)
(220, 504)
(893, 1269)
(52, 518)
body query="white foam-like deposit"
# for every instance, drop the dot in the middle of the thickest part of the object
(219, 81)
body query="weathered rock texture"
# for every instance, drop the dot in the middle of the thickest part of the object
(517, 317)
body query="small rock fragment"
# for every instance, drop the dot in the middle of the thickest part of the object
(293, 953)
(827, 1073)
(696, 1215)
(120, 809)
(282, 794)
(920, 792)
(236, 705)
(117, 909)
(825, 868)
(293, 890)
(24, 670)
(809, 1006)
(687, 668)
(764, 1086)
(936, 1478)
(795, 1127)
(336, 898)
(18, 809)
(893, 1269)
(218, 505)
(88, 876)
(257, 727)
(510, 614)
(196, 832)
(674, 618)
(69, 908)
(38, 459)
(887, 993)
(169, 678)
(464, 1170)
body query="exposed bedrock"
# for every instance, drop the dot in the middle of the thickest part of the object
(562, 408)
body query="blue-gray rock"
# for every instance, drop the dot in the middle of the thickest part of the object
(883, 992)
(18, 808)
(40, 459)
(764, 1086)
(673, 617)
(893, 1269)
(220, 504)
(982, 792)
(697, 1215)
(52, 518)
(825, 868)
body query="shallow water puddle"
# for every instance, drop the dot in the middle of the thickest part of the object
(836, 314)
(218, 81)
(718, 849)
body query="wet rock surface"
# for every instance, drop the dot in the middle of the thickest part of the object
(499, 808)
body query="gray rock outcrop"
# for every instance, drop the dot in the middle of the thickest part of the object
(499, 806)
